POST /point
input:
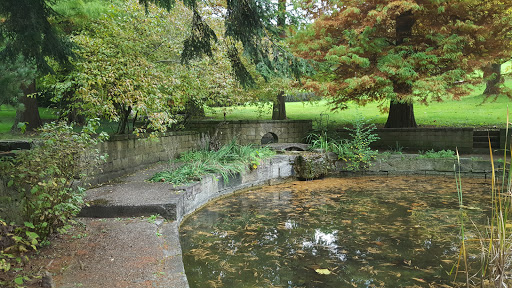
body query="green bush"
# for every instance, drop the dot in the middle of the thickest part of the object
(356, 151)
(437, 154)
(44, 179)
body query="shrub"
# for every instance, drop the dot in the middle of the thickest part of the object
(44, 179)
(437, 154)
(355, 151)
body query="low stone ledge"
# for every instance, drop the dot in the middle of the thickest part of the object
(210, 187)
(411, 164)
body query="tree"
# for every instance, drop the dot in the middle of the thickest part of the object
(26, 31)
(279, 105)
(128, 66)
(251, 24)
(403, 51)
(13, 76)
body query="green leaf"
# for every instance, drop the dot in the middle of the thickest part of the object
(32, 235)
(10, 183)
(29, 225)
(19, 280)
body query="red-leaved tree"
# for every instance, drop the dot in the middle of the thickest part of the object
(404, 52)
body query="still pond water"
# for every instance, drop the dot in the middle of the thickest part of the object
(338, 232)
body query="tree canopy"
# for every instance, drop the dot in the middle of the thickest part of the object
(403, 51)
(128, 65)
(25, 30)
(119, 65)
(253, 24)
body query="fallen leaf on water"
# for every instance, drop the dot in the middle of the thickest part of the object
(323, 271)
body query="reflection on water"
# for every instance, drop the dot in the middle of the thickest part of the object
(344, 232)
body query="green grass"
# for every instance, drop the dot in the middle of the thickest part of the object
(470, 111)
(8, 114)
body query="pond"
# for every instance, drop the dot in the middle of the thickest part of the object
(373, 231)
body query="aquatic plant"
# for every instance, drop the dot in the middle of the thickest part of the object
(228, 160)
(495, 243)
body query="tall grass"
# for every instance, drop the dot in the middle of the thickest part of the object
(228, 160)
(496, 241)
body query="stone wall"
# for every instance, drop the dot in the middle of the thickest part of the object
(416, 139)
(252, 132)
(128, 153)
(405, 164)
(192, 197)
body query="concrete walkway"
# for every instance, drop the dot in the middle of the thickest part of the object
(128, 247)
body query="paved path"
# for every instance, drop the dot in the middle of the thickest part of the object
(126, 251)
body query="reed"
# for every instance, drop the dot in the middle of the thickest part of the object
(495, 241)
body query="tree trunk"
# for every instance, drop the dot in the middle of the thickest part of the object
(279, 107)
(123, 127)
(401, 115)
(493, 76)
(28, 112)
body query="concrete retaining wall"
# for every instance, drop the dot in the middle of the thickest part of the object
(416, 139)
(405, 164)
(128, 153)
(252, 132)
(210, 187)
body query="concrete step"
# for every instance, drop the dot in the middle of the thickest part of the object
(481, 138)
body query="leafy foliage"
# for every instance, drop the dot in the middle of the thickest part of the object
(356, 152)
(228, 160)
(44, 179)
(74, 15)
(437, 154)
(129, 67)
(44, 176)
(25, 30)
(252, 23)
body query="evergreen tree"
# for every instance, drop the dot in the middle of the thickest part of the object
(253, 24)
(25, 31)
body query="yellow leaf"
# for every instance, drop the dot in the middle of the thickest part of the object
(323, 271)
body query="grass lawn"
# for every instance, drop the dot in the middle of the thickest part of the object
(8, 114)
(468, 112)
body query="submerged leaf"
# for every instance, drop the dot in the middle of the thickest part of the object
(323, 271)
